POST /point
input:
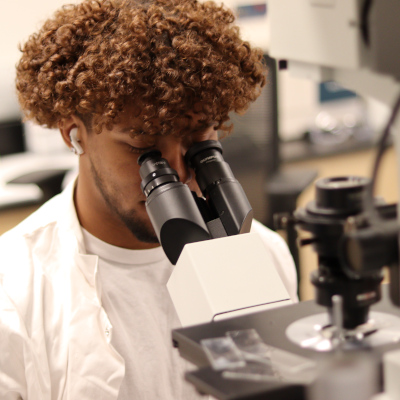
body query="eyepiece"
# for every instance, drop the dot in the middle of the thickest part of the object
(151, 153)
(206, 160)
(155, 171)
(199, 148)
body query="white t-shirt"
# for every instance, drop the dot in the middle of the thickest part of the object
(136, 300)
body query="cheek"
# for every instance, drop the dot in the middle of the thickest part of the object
(122, 175)
(123, 164)
(129, 179)
(117, 169)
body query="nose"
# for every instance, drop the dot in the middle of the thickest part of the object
(174, 153)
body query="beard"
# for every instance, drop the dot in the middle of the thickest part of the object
(138, 229)
(137, 226)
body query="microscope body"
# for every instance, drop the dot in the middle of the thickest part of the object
(225, 277)
(221, 270)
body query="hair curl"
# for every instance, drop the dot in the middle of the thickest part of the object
(172, 56)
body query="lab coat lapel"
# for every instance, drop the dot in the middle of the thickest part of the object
(95, 369)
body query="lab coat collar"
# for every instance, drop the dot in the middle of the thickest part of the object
(69, 223)
(69, 219)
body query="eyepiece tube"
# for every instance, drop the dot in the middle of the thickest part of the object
(155, 171)
(170, 205)
(224, 193)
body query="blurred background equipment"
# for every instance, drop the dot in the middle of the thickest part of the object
(33, 160)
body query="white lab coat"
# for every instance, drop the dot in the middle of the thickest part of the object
(54, 334)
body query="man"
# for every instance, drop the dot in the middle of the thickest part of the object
(84, 310)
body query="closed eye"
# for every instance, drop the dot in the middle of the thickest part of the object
(139, 150)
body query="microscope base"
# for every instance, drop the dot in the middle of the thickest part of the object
(271, 326)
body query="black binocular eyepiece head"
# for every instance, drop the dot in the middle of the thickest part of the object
(180, 216)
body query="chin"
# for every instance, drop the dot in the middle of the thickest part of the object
(141, 227)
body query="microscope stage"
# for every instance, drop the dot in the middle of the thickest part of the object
(315, 332)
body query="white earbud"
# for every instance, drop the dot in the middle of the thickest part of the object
(76, 147)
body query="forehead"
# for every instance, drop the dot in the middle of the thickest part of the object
(133, 120)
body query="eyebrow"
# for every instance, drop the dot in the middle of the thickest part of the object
(129, 130)
(201, 128)
(206, 125)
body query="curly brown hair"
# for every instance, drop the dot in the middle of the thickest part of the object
(174, 56)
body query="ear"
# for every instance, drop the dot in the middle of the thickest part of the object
(71, 131)
(73, 136)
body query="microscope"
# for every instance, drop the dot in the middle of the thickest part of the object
(221, 269)
(352, 247)
(355, 237)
